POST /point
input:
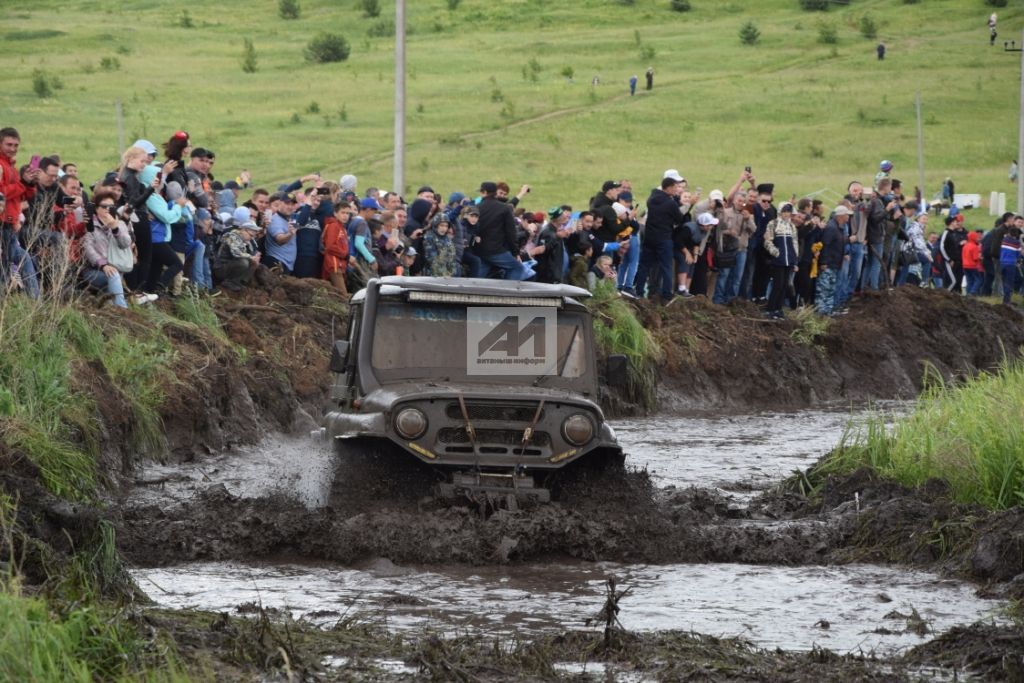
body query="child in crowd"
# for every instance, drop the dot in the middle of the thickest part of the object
(439, 248)
(973, 269)
(579, 265)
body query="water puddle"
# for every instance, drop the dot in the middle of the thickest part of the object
(738, 454)
(846, 609)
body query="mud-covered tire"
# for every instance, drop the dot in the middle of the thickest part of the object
(370, 472)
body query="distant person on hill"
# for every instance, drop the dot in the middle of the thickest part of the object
(1013, 171)
(880, 50)
(633, 80)
(650, 77)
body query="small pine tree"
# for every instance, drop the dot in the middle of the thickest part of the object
(288, 9)
(371, 8)
(681, 5)
(249, 64)
(868, 29)
(749, 35)
(185, 20)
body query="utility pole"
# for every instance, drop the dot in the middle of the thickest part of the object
(920, 153)
(399, 169)
(1012, 47)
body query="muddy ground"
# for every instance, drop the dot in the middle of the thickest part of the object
(718, 358)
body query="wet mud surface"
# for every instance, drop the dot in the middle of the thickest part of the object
(204, 505)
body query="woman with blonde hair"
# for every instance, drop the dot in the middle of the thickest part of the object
(134, 196)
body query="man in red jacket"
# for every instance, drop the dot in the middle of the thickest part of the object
(14, 190)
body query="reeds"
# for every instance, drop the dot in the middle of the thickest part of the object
(970, 435)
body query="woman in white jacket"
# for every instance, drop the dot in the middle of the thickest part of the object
(105, 228)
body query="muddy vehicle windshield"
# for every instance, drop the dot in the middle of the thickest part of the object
(428, 340)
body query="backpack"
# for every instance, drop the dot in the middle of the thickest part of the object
(726, 248)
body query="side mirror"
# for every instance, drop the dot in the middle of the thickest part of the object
(616, 371)
(339, 356)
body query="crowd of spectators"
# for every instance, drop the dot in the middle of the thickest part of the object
(161, 221)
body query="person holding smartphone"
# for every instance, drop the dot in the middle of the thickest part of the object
(106, 227)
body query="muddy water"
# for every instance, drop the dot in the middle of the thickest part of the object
(842, 608)
(739, 454)
(845, 609)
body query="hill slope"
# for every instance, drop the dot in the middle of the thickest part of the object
(488, 98)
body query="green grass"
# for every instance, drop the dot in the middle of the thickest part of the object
(970, 435)
(810, 327)
(807, 116)
(618, 331)
(49, 402)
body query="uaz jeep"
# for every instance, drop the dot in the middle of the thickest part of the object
(491, 383)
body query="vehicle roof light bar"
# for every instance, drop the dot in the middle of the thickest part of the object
(483, 299)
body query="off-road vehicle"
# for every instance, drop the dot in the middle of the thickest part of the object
(492, 384)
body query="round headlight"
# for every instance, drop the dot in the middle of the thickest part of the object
(410, 423)
(578, 429)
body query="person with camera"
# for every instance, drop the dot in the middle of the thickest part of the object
(504, 190)
(106, 249)
(736, 225)
(880, 210)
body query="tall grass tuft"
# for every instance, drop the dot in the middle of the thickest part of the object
(41, 414)
(969, 435)
(618, 331)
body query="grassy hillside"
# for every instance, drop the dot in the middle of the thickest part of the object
(804, 114)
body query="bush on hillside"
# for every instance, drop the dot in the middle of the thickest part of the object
(288, 9)
(327, 47)
(996, 3)
(371, 8)
(384, 28)
(814, 5)
(681, 5)
(827, 33)
(868, 29)
(453, 4)
(749, 34)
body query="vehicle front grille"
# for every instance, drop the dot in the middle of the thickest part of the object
(506, 437)
(494, 411)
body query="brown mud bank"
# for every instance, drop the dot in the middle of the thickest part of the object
(733, 359)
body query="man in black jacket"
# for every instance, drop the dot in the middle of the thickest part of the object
(663, 216)
(496, 235)
(991, 244)
(601, 205)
